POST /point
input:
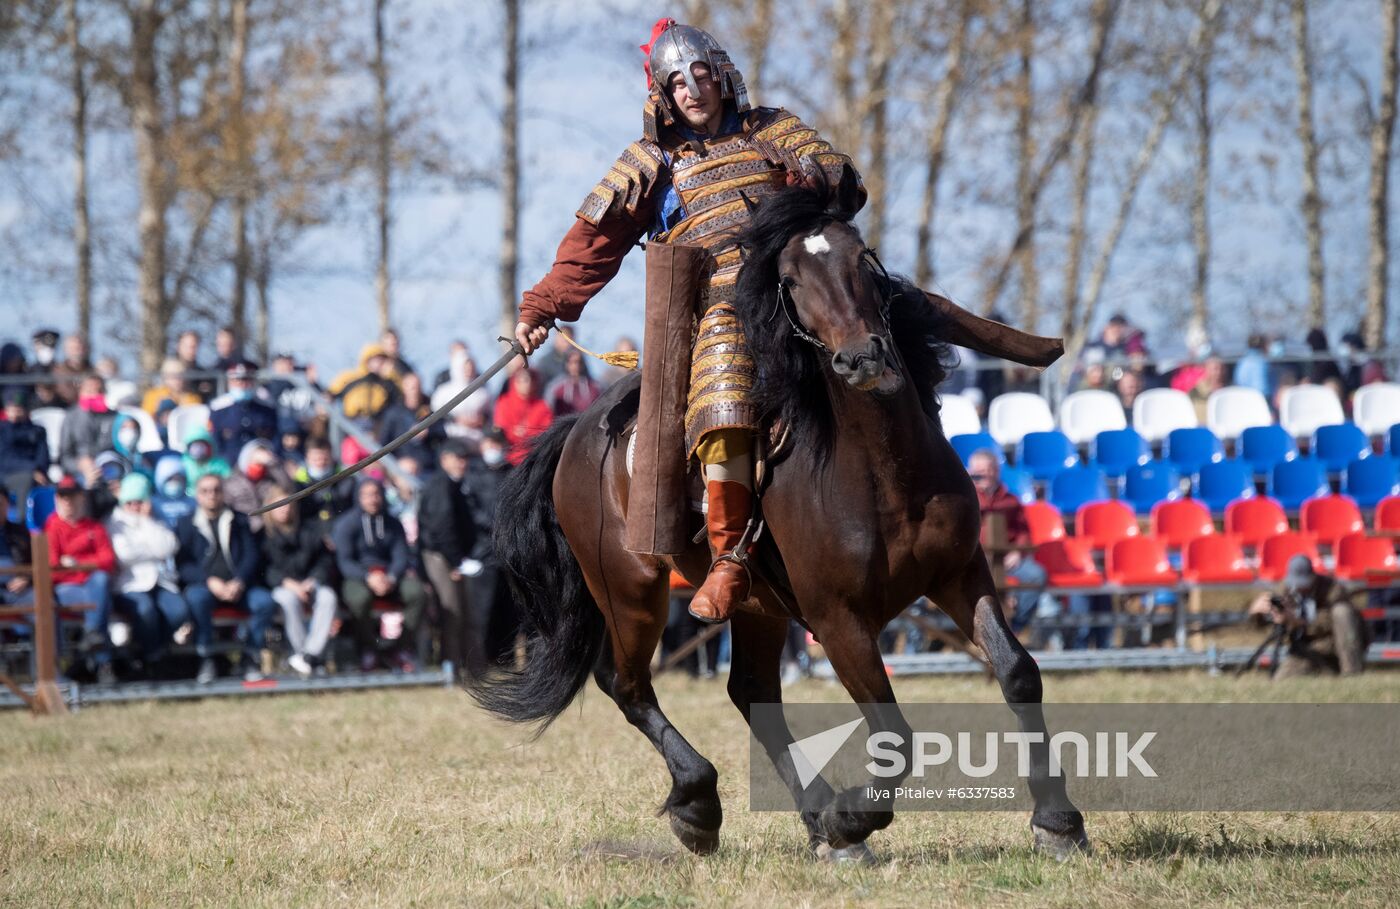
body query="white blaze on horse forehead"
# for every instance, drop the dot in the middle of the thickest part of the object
(816, 244)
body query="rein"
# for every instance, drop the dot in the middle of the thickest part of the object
(886, 289)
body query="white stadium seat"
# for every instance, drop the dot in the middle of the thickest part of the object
(1376, 407)
(1157, 411)
(51, 418)
(958, 415)
(181, 420)
(1085, 414)
(1233, 409)
(1016, 413)
(121, 393)
(1303, 408)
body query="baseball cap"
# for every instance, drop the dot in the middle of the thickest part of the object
(1300, 572)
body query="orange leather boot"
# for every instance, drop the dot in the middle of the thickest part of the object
(727, 585)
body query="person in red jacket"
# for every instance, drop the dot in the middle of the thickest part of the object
(76, 539)
(994, 498)
(522, 413)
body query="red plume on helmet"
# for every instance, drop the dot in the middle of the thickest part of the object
(661, 25)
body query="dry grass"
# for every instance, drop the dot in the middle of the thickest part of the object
(415, 798)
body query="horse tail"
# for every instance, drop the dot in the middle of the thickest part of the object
(564, 627)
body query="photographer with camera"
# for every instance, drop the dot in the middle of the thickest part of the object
(1314, 622)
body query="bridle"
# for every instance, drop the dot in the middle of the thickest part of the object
(885, 288)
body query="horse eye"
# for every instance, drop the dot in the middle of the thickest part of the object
(788, 282)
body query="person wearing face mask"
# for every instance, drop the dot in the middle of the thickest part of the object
(321, 509)
(199, 458)
(45, 349)
(146, 585)
(87, 428)
(241, 415)
(171, 500)
(259, 472)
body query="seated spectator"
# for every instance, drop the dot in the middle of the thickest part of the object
(24, 446)
(366, 391)
(187, 352)
(573, 391)
(521, 413)
(995, 498)
(259, 471)
(240, 416)
(393, 352)
(1323, 630)
(299, 571)
(1130, 385)
(1094, 376)
(14, 550)
(13, 365)
(1213, 378)
(171, 388)
(1323, 369)
(87, 428)
(147, 587)
(400, 417)
(1252, 370)
(45, 351)
(80, 553)
(199, 458)
(228, 349)
(219, 564)
(372, 554)
(321, 509)
(1362, 368)
(70, 372)
(172, 500)
(460, 370)
(470, 421)
(447, 535)
(105, 482)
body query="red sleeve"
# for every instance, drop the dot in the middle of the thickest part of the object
(53, 531)
(589, 257)
(103, 556)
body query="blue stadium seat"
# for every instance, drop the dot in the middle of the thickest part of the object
(38, 507)
(1116, 450)
(1189, 449)
(1144, 485)
(1045, 454)
(1019, 483)
(1338, 445)
(1368, 480)
(1394, 440)
(968, 442)
(1222, 482)
(1296, 480)
(1076, 486)
(1263, 447)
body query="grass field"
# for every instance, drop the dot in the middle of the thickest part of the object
(415, 798)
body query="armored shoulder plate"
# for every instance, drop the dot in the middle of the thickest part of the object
(630, 178)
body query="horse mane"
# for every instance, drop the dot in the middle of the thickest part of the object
(790, 386)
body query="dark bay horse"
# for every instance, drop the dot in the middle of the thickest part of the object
(870, 509)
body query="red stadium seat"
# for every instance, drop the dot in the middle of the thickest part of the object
(1045, 522)
(1388, 515)
(1179, 522)
(1252, 521)
(1215, 559)
(1068, 563)
(1367, 559)
(1101, 524)
(1329, 518)
(1139, 562)
(1277, 550)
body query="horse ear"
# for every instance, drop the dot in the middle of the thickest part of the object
(847, 199)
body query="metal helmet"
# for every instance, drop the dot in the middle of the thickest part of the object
(678, 48)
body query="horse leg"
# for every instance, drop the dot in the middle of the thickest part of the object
(756, 649)
(972, 603)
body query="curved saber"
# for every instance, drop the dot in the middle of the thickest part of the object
(429, 420)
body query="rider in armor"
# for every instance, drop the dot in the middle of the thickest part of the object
(705, 156)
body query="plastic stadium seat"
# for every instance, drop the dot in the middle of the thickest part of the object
(1338, 445)
(1157, 411)
(1233, 409)
(1191, 448)
(1085, 414)
(1368, 559)
(968, 442)
(1303, 408)
(149, 440)
(1215, 560)
(38, 507)
(51, 418)
(1329, 518)
(1223, 482)
(1102, 524)
(1178, 523)
(1392, 445)
(1044, 522)
(1252, 521)
(1264, 447)
(181, 420)
(1045, 454)
(1388, 515)
(1012, 415)
(1147, 484)
(1018, 483)
(1276, 551)
(958, 415)
(1068, 563)
(1118, 449)
(1297, 480)
(1139, 562)
(1077, 485)
(1374, 406)
(1368, 480)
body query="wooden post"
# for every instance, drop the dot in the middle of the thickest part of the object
(47, 699)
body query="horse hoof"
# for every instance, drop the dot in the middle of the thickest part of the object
(1061, 846)
(854, 854)
(701, 842)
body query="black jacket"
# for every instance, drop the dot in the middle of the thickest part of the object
(24, 447)
(365, 541)
(483, 491)
(298, 555)
(243, 556)
(445, 522)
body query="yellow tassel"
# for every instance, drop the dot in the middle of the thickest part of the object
(623, 359)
